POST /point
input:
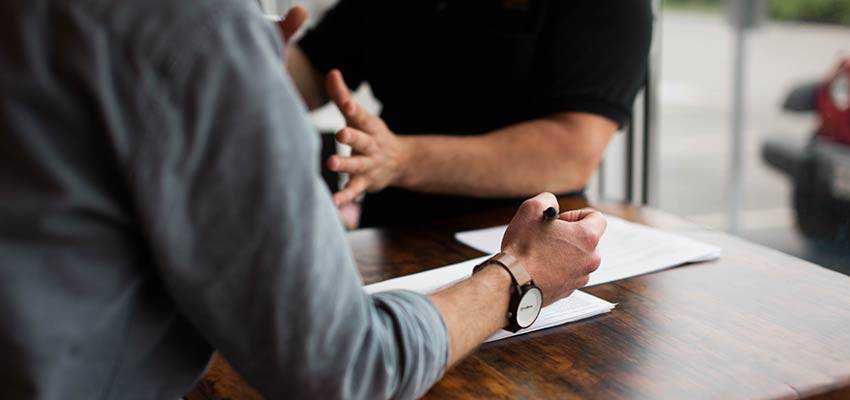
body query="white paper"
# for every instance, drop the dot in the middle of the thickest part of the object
(578, 306)
(627, 249)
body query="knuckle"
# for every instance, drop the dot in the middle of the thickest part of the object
(589, 239)
(348, 106)
(602, 227)
(603, 222)
(584, 239)
(533, 204)
(372, 124)
(361, 139)
(351, 136)
(595, 237)
(595, 261)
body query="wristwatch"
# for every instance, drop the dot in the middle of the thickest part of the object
(526, 298)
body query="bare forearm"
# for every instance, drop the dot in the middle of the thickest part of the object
(519, 160)
(557, 153)
(473, 309)
(307, 79)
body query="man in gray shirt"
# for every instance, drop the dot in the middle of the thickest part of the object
(161, 198)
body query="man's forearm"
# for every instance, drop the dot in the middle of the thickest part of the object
(307, 79)
(523, 159)
(473, 309)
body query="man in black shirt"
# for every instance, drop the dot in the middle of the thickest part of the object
(482, 99)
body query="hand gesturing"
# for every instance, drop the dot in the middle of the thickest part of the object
(378, 156)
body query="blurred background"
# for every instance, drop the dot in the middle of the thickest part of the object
(700, 171)
(798, 41)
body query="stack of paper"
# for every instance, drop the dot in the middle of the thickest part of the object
(578, 306)
(627, 249)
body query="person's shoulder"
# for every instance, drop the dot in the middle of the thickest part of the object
(630, 21)
(615, 11)
(624, 11)
(154, 26)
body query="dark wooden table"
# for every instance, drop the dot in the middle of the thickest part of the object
(754, 324)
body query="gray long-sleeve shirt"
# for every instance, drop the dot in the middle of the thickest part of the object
(160, 198)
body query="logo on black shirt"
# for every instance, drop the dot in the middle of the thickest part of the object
(515, 5)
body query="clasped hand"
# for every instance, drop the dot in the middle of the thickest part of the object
(559, 255)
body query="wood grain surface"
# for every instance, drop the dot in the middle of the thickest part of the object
(755, 324)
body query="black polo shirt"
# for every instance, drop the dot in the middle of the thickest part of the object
(465, 67)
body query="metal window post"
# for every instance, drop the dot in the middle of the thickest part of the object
(649, 164)
(744, 15)
(648, 130)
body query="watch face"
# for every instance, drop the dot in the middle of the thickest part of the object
(529, 307)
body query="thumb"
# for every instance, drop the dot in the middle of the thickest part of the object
(533, 208)
(292, 21)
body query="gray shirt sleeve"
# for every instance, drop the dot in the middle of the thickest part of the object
(224, 174)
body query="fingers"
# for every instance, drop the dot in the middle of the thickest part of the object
(594, 222)
(350, 215)
(292, 21)
(576, 215)
(587, 232)
(360, 141)
(589, 226)
(535, 206)
(350, 165)
(355, 187)
(338, 91)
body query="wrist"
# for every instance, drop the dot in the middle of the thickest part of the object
(523, 258)
(495, 280)
(406, 171)
(517, 252)
(525, 297)
(495, 277)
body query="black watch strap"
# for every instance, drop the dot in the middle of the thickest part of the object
(520, 283)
